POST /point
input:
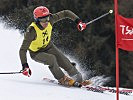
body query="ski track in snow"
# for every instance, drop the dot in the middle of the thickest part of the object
(19, 87)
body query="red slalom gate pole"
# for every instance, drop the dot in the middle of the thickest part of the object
(117, 49)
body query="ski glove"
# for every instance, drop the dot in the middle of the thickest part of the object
(81, 26)
(26, 70)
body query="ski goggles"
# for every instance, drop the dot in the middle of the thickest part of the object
(44, 19)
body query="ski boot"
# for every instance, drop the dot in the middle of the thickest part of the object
(66, 81)
(86, 82)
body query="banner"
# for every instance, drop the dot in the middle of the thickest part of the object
(124, 33)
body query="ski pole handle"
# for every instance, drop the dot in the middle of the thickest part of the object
(11, 72)
(110, 12)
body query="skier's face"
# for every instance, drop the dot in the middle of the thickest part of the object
(44, 19)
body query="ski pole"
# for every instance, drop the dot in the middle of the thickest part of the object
(109, 12)
(11, 72)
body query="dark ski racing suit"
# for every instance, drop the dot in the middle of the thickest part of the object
(50, 54)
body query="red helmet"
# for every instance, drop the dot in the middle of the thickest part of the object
(41, 11)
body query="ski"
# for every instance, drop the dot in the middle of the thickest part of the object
(99, 89)
(83, 87)
(112, 90)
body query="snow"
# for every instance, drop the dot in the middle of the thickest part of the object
(19, 87)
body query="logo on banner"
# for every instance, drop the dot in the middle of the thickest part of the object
(126, 30)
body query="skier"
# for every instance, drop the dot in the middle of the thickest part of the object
(37, 40)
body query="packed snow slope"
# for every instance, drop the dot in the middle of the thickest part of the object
(19, 87)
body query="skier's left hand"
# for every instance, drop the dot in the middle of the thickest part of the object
(81, 26)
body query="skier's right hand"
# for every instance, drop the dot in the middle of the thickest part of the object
(26, 70)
